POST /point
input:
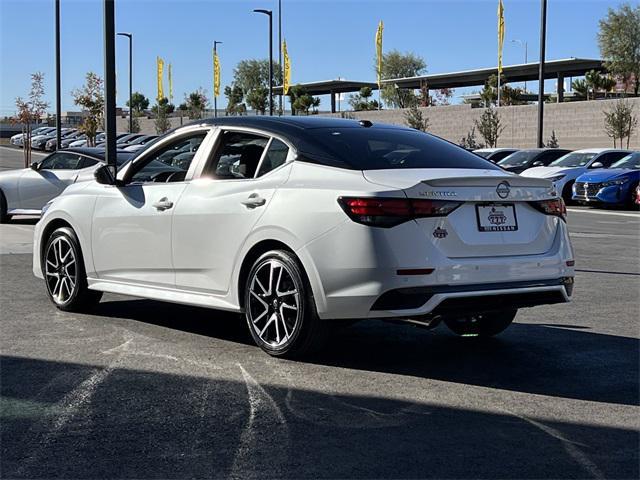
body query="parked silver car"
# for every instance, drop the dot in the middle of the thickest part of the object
(25, 191)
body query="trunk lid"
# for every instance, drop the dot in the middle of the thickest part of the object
(516, 227)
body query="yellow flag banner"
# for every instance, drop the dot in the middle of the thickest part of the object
(160, 69)
(286, 77)
(170, 78)
(500, 34)
(379, 52)
(216, 74)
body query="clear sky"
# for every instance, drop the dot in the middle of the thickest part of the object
(325, 39)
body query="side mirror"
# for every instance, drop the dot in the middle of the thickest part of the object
(34, 166)
(596, 165)
(538, 163)
(104, 175)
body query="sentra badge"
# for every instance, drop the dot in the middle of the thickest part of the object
(438, 193)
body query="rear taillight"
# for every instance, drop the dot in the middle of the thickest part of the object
(388, 212)
(554, 207)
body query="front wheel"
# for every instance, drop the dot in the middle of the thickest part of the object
(64, 273)
(279, 307)
(482, 325)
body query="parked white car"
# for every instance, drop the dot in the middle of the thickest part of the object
(296, 221)
(564, 171)
(18, 139)
(25, 191)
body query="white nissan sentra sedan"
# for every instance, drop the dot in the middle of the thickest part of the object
(299, 221)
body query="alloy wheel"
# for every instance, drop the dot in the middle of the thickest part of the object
(61, 270)
(274, 303)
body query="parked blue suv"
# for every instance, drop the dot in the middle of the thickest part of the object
(615, 185)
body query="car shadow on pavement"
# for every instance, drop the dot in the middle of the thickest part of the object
(71, 420)
(532, 358)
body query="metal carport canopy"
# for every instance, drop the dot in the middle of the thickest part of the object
(326, 87)
(568, 67)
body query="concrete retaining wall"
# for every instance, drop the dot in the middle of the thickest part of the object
(577, 124)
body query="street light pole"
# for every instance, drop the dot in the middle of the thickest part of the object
(525, 45)
(269, 13)
(130, 37)
(58, 96)
(543, 35)
(215, 98)
(281, 111)
(110, 85)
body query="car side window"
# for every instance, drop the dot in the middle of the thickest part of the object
(496, 157)
(610, 158)
(552, 156)
(88, 162)
(61, 161)
(170, 163)
(237, 155)
(276, 155)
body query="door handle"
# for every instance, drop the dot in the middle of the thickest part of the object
(163, 204)
(254, 201)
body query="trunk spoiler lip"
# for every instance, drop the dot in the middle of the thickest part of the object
(489, 181)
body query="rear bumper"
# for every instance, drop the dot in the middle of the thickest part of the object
(447, 300)
(352, 271)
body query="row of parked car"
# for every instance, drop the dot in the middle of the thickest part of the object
(595, 176)
(44, 138)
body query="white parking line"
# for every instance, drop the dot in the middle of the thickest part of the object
(600, 212)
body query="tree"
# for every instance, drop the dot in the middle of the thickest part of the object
(360, 101)
(194, 104)
(91, 98)
(257, 99)
(139, 103)
(166, 106)
(469, 142)
(619, 42)
(415, 119)
(400, 65)
(581, 87)
(301, 101)
(30, 111)
(508, 95)
(620, 122)
(490, 126)
(442, 96)
(161, 110)
(553, 141)
(234, 100)
(252, 77)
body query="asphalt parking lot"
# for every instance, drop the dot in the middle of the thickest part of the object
(144, 389)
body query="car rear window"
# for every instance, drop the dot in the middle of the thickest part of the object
(388, 148)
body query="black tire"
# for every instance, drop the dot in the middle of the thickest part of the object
(482, 325)
(567, 193)
(4, 216)
(267, 311)
(632, 205)
(67, 282)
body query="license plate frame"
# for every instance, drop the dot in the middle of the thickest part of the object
(497, 227)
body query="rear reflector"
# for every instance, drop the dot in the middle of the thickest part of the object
(388, 212)
(571, 263)
(554, 207)
(416, 271)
